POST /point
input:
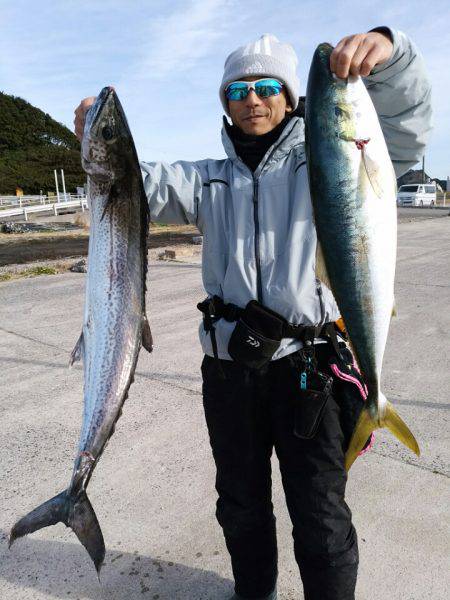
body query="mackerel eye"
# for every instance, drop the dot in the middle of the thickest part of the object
(107, 133)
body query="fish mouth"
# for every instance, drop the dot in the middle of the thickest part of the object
(325, 47)
(108, 108)
(324, 51)
(322, 56)
(102, 99)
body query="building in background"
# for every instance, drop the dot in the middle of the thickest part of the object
(412, 176)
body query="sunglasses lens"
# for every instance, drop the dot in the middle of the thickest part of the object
(236, 91)
(268, 87)
(263, 88)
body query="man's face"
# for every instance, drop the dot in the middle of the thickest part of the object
(255, 115)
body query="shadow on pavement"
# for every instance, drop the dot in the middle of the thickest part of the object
(175, 263)
(63, 570)
(422, 404)
(162, 376)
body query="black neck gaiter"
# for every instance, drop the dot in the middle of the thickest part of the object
(252, 148)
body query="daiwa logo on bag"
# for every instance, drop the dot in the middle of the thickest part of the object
(252, 342)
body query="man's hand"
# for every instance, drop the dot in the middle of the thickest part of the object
(358, 54)
(80, 114)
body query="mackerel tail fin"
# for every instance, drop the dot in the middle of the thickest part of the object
(75, 512)
(367, 423)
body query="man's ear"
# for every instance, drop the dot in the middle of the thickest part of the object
(289, 108)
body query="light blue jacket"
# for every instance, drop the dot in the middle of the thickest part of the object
(259, 239)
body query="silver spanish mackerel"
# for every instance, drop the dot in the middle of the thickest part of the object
(115, 322)
(353, 191)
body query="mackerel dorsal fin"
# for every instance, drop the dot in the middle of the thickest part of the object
(321, 269)
(77, 352)
(147, 338)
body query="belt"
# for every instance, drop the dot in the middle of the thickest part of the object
(214, 308)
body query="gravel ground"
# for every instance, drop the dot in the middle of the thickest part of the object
(153, 490)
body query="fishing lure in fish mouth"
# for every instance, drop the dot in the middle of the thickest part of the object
(353, 192)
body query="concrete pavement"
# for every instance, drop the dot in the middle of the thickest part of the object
(153, 490)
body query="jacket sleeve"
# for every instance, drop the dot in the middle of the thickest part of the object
(401, 93)
(173, 191)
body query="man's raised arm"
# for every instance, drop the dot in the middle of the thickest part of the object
(401, 93)
(395, 76)
(173, 190)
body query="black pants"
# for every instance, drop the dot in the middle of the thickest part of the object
(248, 414)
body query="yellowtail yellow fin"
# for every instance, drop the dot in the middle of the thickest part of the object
(321, 269)
(394, 310)
(372, 171)
(367, 423)
(364, 427)
(400, 429)
(341, 325)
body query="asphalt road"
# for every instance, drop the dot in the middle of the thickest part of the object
(153, 490)
(421, 214)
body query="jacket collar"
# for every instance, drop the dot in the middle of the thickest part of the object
(292, 135)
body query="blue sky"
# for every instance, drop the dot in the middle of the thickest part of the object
(166, 58)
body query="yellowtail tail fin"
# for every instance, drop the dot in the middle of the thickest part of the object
(367, 423)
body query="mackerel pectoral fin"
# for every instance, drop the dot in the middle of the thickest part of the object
(147, 338)
(321, 269)
(367, 423)
(77, 352)
(75, 512)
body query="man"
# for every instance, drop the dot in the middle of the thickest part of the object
(255, 214)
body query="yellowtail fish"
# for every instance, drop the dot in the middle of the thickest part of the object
(353, 191)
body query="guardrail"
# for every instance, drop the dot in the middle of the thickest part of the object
(12, 201)
(24, 211)
(442, 198)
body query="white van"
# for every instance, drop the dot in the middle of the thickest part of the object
(417, 194)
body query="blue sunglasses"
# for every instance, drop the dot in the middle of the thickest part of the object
(239, 90)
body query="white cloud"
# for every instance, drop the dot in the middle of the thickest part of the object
(166, 58)
(181, 39)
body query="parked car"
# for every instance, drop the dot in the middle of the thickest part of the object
(417, 194)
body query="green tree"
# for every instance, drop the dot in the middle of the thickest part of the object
(32, 145)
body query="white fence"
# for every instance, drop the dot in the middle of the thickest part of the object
(22, 206)
(11, 201)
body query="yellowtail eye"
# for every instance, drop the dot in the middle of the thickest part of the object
(341, 112)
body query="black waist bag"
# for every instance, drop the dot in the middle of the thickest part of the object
(257, 336)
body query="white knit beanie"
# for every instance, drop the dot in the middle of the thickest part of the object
(266, 57)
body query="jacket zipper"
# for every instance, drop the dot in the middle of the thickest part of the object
(259, 292)
(257, 256)
(322, 307)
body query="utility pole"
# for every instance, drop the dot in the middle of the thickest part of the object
(423, 168)
(56, 182)
(64, 185)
